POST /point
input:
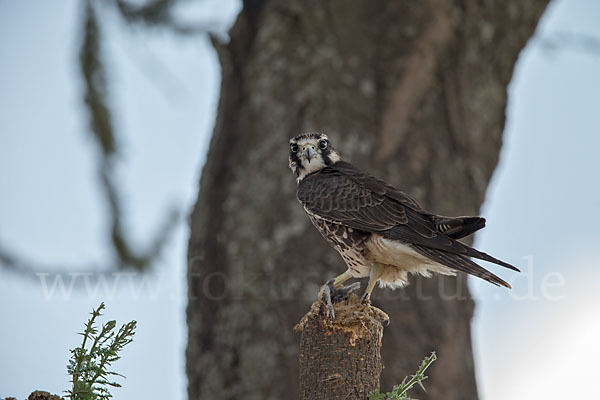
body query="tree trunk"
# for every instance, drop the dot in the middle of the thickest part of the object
(340, 358)
(411, 91)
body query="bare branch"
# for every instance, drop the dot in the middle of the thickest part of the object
(93, 72)
(102, 131)
(18, 264)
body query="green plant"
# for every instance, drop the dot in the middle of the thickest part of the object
(89, 363)
(399, 392)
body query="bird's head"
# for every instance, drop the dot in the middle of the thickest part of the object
(311, 152)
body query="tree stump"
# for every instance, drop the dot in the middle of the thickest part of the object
(340, 358)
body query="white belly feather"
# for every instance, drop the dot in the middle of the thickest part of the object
(400, 259)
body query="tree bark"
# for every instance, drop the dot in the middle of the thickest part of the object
(411, 91)
(340, 358)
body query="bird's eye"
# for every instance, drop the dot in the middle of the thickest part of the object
(293, 147)
(323, 144)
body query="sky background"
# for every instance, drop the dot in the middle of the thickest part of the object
(538, 341)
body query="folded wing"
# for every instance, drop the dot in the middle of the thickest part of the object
(344, 194)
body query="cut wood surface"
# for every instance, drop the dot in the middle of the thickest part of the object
(340, 358)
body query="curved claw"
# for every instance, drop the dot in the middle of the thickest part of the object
(328, 284)
(325, 296)
(330, 294)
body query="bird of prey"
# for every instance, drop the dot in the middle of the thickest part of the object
(381, 232)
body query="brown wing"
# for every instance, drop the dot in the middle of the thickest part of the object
(342, 193)
(376, 185)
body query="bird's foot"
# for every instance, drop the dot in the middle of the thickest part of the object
(330, 294)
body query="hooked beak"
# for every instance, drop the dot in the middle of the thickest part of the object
(309, 153)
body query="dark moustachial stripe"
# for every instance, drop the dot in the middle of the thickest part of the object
(325, 155)
(296, 160)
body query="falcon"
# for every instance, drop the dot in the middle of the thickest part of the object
(381, 232)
